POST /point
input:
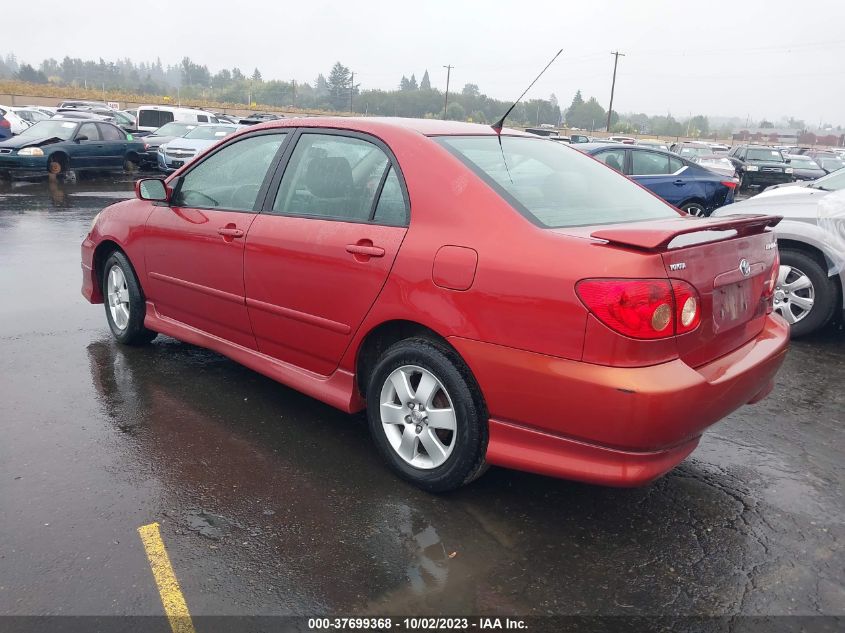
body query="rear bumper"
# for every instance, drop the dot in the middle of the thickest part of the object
(610, 425)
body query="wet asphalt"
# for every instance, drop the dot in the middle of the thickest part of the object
(272, 503)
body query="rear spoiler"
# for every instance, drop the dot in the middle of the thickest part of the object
(658, 234)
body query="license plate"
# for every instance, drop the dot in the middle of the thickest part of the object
(178, 163)
(731, 304)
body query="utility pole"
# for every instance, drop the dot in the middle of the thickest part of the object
(293, 85)
(448, 75)
(616, 56)
(351, 90)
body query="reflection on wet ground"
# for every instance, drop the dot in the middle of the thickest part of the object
(271, 503)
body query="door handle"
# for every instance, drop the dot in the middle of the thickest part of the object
(679, 182)
(365, 249)
(230, 231)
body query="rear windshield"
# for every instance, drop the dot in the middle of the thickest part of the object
(554, 185)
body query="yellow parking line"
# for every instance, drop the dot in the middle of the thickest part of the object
(168, 587)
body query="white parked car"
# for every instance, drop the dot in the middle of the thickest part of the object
(173, 154)
(150, 118)
(18, 124)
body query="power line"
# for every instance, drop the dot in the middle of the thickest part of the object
(448, 68)
(616, 55)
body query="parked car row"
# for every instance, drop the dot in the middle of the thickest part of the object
(78, 139)
(685, 184)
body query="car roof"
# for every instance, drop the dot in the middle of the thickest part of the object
(374, 125)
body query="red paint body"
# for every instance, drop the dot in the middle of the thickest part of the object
(295, 298)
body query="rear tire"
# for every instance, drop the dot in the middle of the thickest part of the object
(693, 208)
(441, 445)
(789, 301)
(124, 302)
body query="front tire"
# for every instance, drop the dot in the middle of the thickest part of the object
(804, 295)
(124, 302)
(427, 416)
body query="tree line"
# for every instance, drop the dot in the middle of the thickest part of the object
(337, 91)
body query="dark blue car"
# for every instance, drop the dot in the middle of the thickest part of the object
(5, 128)
(57, 146)
(681, 183)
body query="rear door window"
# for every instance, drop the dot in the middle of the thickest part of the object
(649, 163)
(110, 133)
(331, 176)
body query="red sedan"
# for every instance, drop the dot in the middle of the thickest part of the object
(489, 299)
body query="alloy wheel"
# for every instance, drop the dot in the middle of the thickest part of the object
(794, 294)
(418, 417)
(118, 297)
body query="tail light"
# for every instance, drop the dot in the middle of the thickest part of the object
(687, 307)
(5, 123)
(642, 308)
(730, 184)
(771, 284)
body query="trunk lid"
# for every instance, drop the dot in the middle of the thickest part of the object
(728, 260)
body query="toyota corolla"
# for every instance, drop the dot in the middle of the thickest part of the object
(489, 298)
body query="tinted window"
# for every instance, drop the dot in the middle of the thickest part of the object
(111, 133)
(202, 118)
(648, 163)
(154, 118)
(391, 207)
(555, 185)
(615, 158)
(331, 176)
(231, 178)
(89, 130)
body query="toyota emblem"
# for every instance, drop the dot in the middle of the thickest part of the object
(744, 267)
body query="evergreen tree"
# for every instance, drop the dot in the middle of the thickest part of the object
(412, 84)
(425, 84)
(339, 85)
(256, 75)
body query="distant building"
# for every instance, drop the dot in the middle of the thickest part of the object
(784, 136)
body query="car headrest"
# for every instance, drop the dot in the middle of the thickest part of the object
(329, 177)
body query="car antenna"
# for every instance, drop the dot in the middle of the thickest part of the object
(501, 122)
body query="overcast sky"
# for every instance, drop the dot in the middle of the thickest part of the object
(771, 59)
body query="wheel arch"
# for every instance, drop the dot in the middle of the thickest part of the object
(820, 257)
(382, 336)
(102, 252)
(61, 156)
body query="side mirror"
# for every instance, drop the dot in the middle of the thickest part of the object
(80, 138)
(152, 189)
(788, 160)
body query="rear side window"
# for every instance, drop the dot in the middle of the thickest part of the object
(675, 165)
(391, 209)
(110, 133)
(649, 164)
(202, 118)
(331, 176)
(154, 118)
(555, 185)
